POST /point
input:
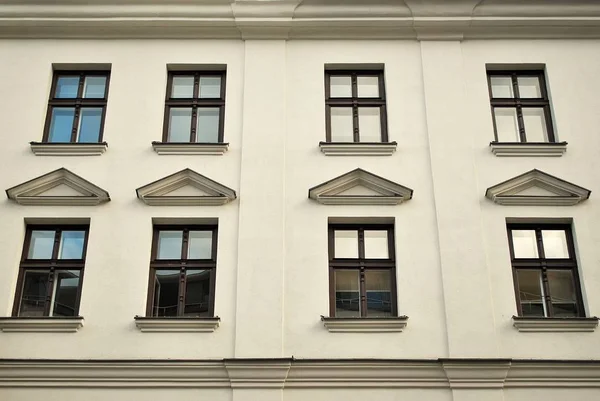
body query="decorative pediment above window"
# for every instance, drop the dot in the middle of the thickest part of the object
(58, 188)
(185, 188)
(359, 187)
(537, 188)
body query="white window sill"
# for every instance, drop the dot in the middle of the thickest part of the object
(68, 149)
(171, 148)
(549, 324)
(41, 324)
(177, 324)
(358, 148)
(365, 325)
(551, 149)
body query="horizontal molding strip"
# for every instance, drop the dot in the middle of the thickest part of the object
(293, 19)
(294, 373)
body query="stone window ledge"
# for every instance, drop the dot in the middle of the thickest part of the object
(47, 324)
(365, 325)
(68, 149)
(177, 324)
(358, 148)
(555, 324)
(177, 148)
(552, 149)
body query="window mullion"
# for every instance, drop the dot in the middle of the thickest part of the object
(362, 286)
(193, 133)
(54, 276)
(355, 133)
(49, 291)
(544, 273)
(181, 300)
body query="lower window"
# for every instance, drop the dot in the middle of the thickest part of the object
(545, 271)
(182, 271)
(362, 271)
(51, 271)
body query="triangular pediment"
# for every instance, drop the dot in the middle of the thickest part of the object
(185, 188)
(359, 187)
(58, 188)
(537, 188)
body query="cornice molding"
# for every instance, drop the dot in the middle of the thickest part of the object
(365, 325)
(176, 325)
(293, 373)
(40, 325)
(556, 191)
(299, 19)
(32, 192)
(555, 325)
(68, 149)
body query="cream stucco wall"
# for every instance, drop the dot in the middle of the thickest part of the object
(453, 269)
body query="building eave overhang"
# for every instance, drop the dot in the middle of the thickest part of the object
(297, 19)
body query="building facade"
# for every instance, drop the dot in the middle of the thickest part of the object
(284, 200)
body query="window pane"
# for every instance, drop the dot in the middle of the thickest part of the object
(524, 244)
(507, 128)
(531, 293)
(502, 87)
(33, 296)
(341, 124)
(170, 244)
(379, 293)
(183, 87)
(376, 244)
(207, 128)
(368, 86)
(347, 293)
(535, 124)
(61, 125)
(200, 245)
(66, 87)
(529, 87)
(71, 245)
(180, 124)
(65, 297)
(89, 124)
(555, 244)
(197, 292)
(562, 293)
(346, 244)
(41, 245)
(166, 293)
(210, 87)
(340, 86)
(94, 87)
(369, 124)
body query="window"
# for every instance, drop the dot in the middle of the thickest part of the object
(194, 107)
(520, 106)
(77, 107)
(362, 271)
(51, 271)
(355, 106)
(545, 270)
(182, 271)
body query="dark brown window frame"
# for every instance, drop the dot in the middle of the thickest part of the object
(182, 265)
(77, 102)
(519, 103)
(195, 102)
(355, 102)
(362, 264)
(52, 264)
(542, 264)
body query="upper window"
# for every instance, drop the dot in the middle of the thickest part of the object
(355, 106)
(362, 271)
(182, 271)
(194, 107)
(520, 106)
(51, 271)
(545, 270)
(77, 107)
